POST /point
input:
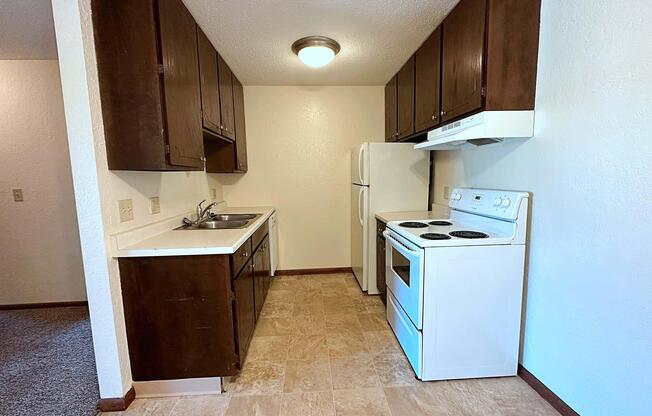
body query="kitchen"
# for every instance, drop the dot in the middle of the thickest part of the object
(410, 222)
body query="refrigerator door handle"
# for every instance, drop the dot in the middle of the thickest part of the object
(360, 164)
(360, 205)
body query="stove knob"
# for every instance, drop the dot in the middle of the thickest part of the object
(458, 197)
(506, 202)
(498, 202)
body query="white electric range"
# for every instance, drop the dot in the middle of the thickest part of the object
(455, 285)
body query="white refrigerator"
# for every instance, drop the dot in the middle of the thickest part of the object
(385, 177)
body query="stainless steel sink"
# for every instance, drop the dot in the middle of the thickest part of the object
(222, 225)
(222, 222)
(233, 217)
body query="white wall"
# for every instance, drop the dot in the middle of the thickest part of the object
(178, 193)
(588, 332)
(39, 239)
(298, 141)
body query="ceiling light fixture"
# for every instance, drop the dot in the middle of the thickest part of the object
(316, 51)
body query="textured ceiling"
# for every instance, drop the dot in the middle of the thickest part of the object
(255, 36)
(27, 30)
(377, 36)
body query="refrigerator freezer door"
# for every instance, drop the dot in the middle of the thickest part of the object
(359, 240)
(360, 164)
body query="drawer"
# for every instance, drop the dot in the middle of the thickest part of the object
(259, 235)
(410, 339)
(240, 257)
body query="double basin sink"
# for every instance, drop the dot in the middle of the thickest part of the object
(222, 222)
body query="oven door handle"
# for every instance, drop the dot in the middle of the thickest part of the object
(402, 248)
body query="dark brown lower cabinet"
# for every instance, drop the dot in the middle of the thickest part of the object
(243, 287)
(259, 280)
(179, 316)
(380, 261)
(262, 269)
(193, 316)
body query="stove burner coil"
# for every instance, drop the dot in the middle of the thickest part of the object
(435, 236)
(413, 224)
(468, 234)
(443, 223)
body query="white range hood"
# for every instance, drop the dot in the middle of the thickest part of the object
(480, 129)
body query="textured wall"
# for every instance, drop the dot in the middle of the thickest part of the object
(588, 333)
(39, 240)
(299, 140)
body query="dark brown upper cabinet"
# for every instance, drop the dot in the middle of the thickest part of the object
(405, 93)
(482, 57)
(512, 49)
(391, 126)
(210, 94)
(226, 99)
(151, 106)
(462, 59)
(240, 133)
(427, 81)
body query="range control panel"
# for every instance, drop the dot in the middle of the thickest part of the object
(488, 202)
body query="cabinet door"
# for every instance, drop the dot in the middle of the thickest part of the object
(210, 95)
(245, 307)
(405, 82)
(240, 133)
(178, 39)
(259, 281)
(226, 99)
(178, 316)
(391, 130)
(462, 56)
(267, 265)
(427, 81)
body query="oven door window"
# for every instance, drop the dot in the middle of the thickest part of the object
(401, 266)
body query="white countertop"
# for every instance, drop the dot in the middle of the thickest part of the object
(172, 242)
(437, 212)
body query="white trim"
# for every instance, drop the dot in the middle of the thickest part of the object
(178, 387)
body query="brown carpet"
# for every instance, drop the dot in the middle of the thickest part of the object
(47, 366)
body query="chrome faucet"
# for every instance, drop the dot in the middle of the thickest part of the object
(201, 212)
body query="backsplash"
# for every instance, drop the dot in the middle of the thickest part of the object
(178, 192)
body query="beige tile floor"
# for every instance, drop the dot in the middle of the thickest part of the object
(321, 347)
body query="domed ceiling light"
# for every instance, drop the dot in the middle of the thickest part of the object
(316, 51)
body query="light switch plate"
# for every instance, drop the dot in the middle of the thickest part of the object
(18, 195)
(154, 205)
(126, 208)
(213, 193)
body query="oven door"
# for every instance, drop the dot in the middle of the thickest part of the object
(404, 274)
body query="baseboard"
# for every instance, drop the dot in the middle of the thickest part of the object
(329, 270)
(117, 404)
(44, 305)
(546, 393)
(179, 387)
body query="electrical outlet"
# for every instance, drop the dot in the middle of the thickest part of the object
(447, 192)
(126, 208)
(18, 195)
(213, 193)
(154, 205)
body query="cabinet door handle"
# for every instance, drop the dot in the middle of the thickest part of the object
(433, 117)
(245, 254)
